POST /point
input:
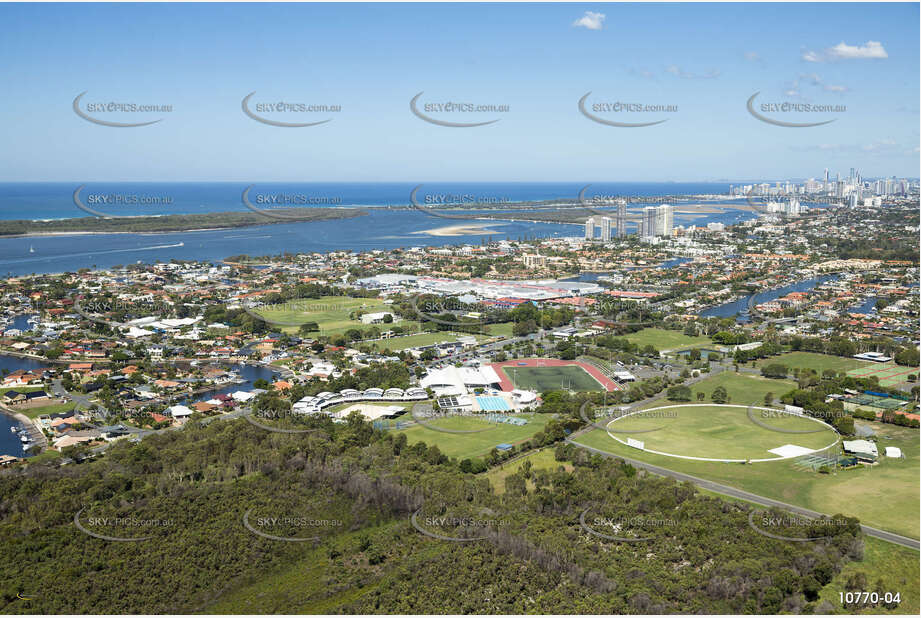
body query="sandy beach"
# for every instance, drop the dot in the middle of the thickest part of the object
(465, 229)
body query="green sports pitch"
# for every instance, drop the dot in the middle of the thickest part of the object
(721, 432)
(542, 379)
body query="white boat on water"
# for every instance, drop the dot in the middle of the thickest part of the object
(13, 429)
(25, 439)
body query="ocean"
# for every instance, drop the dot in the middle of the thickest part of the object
(382, 229)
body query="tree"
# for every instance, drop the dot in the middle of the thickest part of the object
(719, 395)
(844, 425)
(700, 396)
(768, 398)
(679, 393)
(774, 370)
(308, 327)
(908, 357)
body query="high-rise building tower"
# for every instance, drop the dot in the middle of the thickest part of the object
(649, 222)
(665, 215)
(605, 229)
(621, 218)
(590, 228)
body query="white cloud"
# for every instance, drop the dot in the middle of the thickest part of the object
(679, 72)
(872, 49)
(591, 21)
(843, 51)
(814, 80)
(811, 56)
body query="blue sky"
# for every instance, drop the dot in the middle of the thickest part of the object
(539, 59)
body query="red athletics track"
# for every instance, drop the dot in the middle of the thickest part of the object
(506, 384)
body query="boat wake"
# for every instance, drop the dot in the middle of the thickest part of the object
(91, 253)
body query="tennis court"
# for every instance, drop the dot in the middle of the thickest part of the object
(875, 401)
(889, 374)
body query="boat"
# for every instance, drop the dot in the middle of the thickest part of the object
(31, 249)
(25, 439)
(13, 429)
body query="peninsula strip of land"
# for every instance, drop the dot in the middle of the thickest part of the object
(172, 223)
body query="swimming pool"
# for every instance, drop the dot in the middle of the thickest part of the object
(492, 404)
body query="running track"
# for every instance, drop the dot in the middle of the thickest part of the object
(506, 384)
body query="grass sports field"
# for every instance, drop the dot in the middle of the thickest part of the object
(885, 495)
(742, 388)
(811, 360)
(662, 339)
(889, 374)
(541, 379)
(412, 341)
(719, 432)
(469, 445)
(331, 313)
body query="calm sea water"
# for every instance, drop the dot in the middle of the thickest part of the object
(382, 229)
(9, 442)
(736, 307)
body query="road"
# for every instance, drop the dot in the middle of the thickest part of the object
(750, 497)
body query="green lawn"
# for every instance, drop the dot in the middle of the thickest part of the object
(540, 460)
(742, 388)
(470, 445)
(54, 408)
(541, 379)
(811, 360)
(662, 339)
(412, 341)
(719, 432)
(331, 313)
(884, 496)
(503, 329)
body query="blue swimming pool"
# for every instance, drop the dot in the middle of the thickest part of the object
(492, 404)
